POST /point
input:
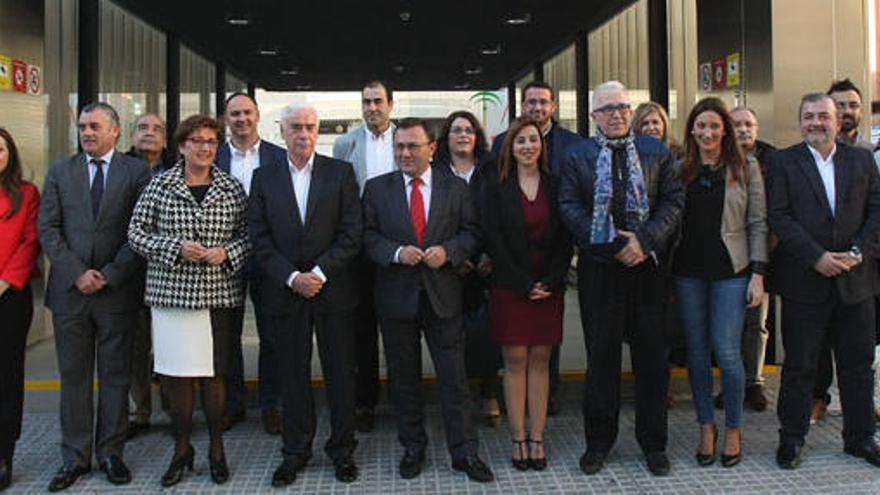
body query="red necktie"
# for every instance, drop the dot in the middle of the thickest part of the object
(417, 209)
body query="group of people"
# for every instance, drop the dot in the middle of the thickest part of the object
(408, 235)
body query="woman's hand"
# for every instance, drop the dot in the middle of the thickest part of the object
(215, 255)
(755, 291)
(538, 292)
(192, 251)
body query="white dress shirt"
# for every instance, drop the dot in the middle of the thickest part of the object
(425, 189)
(242, 164)
(825, 166)
(302, 181)
(93, 169)
(379, 152)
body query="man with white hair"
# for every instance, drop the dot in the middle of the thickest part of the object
(622, 201)
(305, 226)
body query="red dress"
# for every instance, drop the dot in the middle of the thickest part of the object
(517, 320)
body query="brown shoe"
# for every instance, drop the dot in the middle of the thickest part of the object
(272, 422)
(818, 412)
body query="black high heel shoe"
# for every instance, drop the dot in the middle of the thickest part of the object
(708, 459)
(219, 470)
(174, 474)
(733, 459)
(521, 464)
(537, 463)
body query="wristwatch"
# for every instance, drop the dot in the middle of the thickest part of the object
(855, 253)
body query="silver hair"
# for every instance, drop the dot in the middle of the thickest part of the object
(292, 108)
(606, 87)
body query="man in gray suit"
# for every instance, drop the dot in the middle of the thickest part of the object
(369, 149)
(93, 291)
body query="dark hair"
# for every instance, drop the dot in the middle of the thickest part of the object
(236, 94)
(411, 122)
(843, 85)
(10, 178)
(813, 98)
(106, 108)
(377, 83)
(194, 123)
(480, 146)
(538, 85)
(506, 161)
(731, 155)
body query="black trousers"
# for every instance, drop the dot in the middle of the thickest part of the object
(482, 354)
(16, 313)
(623, 304)
(403, 349)
(366, 339)
(335, 349)
(849, 328)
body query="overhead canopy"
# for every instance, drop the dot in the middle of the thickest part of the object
(325, 45)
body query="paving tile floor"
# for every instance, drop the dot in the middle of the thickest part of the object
(253, 456)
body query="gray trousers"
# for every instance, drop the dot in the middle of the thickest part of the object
(141, 368)
(82, 340)
(754, 342)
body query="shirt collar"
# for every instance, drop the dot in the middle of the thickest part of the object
(426, 177)
(307, 169)
(381, 137)
(818, 156)
(106, 158)
(253, 149)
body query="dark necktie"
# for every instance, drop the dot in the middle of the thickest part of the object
(417, 209)
(97, 186)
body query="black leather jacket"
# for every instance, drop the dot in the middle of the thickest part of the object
(662, 182)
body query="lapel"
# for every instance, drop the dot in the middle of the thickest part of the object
(282, 183)
(79, 178)
(555, 151)
(115, 181)
(316, 188)
(223, 157)
(178, 186)
(808, 167)
(439, 193)
(400, 206)
(514, 203)
(842, 176)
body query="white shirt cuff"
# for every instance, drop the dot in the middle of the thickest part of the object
(291, 278)
(320, 273)
(396, 258)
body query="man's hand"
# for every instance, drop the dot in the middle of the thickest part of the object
(214, 255)
(466, 268)
(410, 256)
(307, 285)
(484, 267)
(755, 292)
(90, 281)
(631, 254)
(192, 251)
(435, 256)
(833, 264)
(538, 292)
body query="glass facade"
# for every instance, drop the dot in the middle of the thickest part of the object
(197, 84)
(561, 73)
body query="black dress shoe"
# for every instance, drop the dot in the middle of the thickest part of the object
(219, 470)
(592, 462)
(346, 470)
(788, 455)
(708, 459)
(755, 398)
(5, 474)
(116, 470)
(174, 474)
(411, 464)
(658, 463)
(719, 401)
(231, 420)
(135, 428)
(868, 451)
(474, 468)
(553, 404)
(364, 419)
(286, 472)
(66, 476)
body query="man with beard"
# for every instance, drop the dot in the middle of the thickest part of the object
(825, 210)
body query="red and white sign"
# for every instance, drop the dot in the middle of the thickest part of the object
(19, 76)
(719, 73)
(34, 80)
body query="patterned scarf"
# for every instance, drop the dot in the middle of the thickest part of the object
(602, 230)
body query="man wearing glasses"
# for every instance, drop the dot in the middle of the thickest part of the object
(622, 201)
(539, 103)
(419, 228)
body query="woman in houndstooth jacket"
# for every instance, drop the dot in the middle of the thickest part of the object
(191, 226)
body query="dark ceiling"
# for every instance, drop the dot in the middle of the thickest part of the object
(338, 45)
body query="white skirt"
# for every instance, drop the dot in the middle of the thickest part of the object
(183, 344)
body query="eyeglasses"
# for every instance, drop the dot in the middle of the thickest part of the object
(411, 147)
(199, 143)
(533, 102)
(462, 130)
(610, 109)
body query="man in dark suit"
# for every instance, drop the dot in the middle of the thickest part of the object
(539, 103)
(241, 157)
(419, 227)
(824, 206)
(94, 291)
(306, 227)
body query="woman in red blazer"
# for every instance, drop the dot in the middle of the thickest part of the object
(18, 265)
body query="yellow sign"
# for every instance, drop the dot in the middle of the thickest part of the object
(733, 70)
(5, 73)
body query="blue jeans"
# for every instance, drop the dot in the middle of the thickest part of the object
(712, 313)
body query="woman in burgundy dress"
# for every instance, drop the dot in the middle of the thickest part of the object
(531, 252)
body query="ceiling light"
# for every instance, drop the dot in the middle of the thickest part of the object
(518, 19)
(399, 68)
(303, 87)
(464, 85)
(405, 16)
(473, 71)
(238, 20)
(267, 51)
(491, 49)
(289, 72)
